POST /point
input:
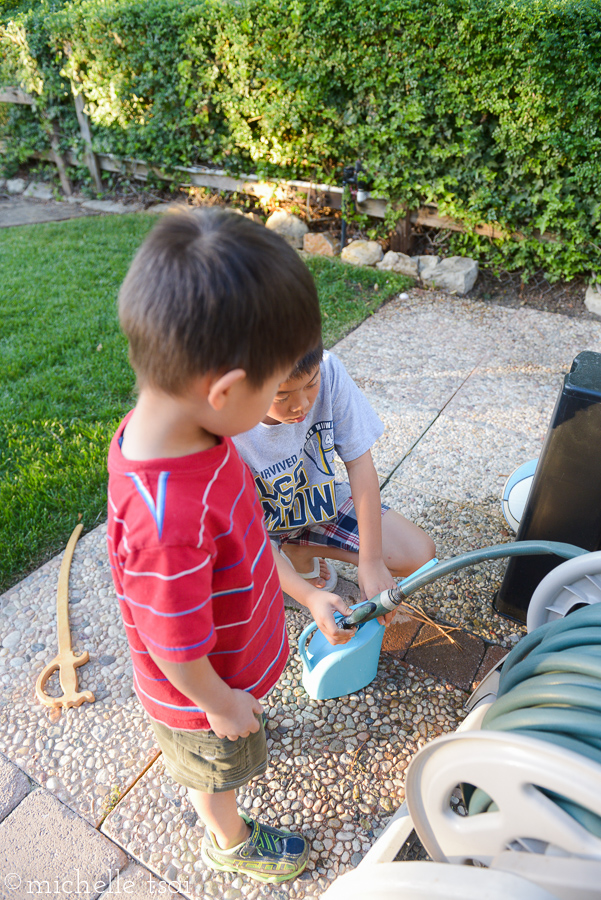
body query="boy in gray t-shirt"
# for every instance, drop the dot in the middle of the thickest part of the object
(309, 513)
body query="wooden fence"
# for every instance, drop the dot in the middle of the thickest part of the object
(219, 179)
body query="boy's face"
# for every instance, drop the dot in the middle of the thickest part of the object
(294, 399)
(248, 405)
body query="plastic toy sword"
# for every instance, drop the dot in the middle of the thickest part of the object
(66, 662)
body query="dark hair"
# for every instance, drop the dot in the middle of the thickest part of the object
(212, 291)
(309, 362)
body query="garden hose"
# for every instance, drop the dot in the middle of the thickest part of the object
(389, 600)
(550, 689)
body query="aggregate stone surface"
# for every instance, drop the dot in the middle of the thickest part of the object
(336, 773)
(403, 428)
(435, 348)
(464, 598)
(462, 460)
(88, 755)
(136, 883)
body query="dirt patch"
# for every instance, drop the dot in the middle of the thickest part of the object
(513, 289)
(507, 289)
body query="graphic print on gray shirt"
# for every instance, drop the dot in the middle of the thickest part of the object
(293, 465)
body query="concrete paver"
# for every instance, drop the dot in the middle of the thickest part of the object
(466, 392)
(14, 786)
(31, 212)
(456, 660)
(43, 843)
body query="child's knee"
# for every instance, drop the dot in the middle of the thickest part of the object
(428, 548)
(407, 545)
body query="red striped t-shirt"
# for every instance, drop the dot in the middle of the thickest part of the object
(194, 574)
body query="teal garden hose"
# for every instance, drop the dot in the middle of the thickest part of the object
(550, 685)
(389, 600)
(550, 689)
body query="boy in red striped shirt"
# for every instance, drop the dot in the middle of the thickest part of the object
(216, 310)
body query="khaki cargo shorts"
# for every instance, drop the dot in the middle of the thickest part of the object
(201, 760)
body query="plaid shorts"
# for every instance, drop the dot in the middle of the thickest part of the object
(341, 532)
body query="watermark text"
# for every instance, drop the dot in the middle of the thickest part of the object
(79, 884)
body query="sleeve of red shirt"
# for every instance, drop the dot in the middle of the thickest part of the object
(169, 597)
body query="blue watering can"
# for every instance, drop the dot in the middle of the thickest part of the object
(335, 671)
(331, 671)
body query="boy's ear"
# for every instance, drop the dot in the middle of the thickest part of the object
(221, 386)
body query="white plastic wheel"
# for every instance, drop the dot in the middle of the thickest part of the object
(516, 492)
(509, 768)
(574, 583)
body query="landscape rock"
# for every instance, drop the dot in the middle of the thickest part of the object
(457, 274)
(161, 208)
(254, 217)
(320, 244)
(37, 190)
(15, 185)
(362, 253)
(399, 262)
(592, 299)
(289, 226)
(425, 264)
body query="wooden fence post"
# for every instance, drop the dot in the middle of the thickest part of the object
(51, 129)
(16, 95)
(84, 127)
(400, 239)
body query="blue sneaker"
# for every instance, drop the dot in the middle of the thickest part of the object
(269, 855)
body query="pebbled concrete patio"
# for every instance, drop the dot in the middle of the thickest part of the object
(466, 392)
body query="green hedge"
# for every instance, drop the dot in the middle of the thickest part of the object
(489, 108)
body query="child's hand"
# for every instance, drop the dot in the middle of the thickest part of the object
(321, 605)
(238, 719)
(373, 578)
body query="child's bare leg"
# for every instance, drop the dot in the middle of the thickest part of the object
(302, 557)
(405, 547)
(219, 812)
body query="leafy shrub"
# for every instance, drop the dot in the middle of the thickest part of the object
(488, 108)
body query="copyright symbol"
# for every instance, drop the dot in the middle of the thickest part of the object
(13, 881)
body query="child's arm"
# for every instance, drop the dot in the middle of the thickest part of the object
(319, 603)
(232, 713)
(372, 573)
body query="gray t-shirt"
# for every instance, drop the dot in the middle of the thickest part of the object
(293, 465)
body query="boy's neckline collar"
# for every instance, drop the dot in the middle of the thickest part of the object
(185, 461)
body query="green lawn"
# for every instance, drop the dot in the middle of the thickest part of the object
(64, 376)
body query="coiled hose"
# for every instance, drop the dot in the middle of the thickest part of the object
(550, 689)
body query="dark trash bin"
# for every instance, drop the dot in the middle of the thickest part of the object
(564, 503)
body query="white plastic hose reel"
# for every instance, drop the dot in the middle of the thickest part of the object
(574, 583)
(432, 881)
(484, 695)
(511, 769)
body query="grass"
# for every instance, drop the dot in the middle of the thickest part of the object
(65, 381)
